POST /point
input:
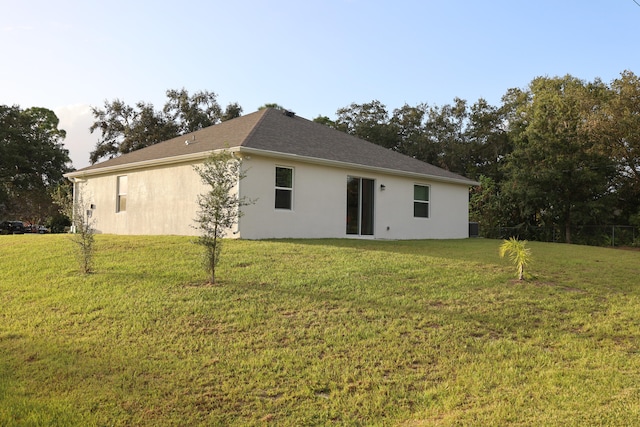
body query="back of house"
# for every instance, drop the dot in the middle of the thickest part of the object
(305, 179)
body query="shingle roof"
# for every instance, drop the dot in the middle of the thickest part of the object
(269, 130)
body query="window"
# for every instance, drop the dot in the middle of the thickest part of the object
(284, 188)
(121, 199)
(421, 201)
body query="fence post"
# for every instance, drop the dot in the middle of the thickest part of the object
(613, 235)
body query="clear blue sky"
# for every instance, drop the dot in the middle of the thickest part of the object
(312, 57)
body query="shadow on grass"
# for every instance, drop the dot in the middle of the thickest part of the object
(480, 250)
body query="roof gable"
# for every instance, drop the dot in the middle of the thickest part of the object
(271, 131)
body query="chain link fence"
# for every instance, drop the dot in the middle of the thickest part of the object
(594, 235)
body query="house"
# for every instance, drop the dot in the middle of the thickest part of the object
(307, 180)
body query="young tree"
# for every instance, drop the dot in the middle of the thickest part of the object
(220, 207)
(519, 254)
(83, 233)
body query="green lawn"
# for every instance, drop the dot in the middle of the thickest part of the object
(318, 332)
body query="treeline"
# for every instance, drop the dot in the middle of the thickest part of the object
(561, 155)
(32, 162)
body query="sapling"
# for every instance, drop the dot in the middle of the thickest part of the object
(519, 254)
(220, 206)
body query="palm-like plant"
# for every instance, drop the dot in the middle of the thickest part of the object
(518, 253)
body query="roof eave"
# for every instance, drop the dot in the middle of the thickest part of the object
(184, 158)
(202, 155)
(348, 165)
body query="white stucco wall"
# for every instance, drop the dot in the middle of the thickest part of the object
(160, 200)
(163, 200)
(319, 204)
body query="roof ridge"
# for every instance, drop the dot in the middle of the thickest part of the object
(271, 130)
(256, 125)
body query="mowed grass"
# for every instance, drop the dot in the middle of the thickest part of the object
(318, 332)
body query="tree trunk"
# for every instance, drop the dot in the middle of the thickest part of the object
(214, 257)
(567, 226)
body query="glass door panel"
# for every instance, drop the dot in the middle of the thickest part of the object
(360, 206)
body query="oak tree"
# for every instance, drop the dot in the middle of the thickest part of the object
(32, 162)
(123, 128)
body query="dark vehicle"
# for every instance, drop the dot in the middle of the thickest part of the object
(12, 227)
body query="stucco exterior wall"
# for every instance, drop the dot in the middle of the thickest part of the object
(160, 201)
(163, 200)
(320, 204)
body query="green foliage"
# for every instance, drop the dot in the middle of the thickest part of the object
(62, 196)
(32, 162)
(83, 235)
(561, 154)
(220, 207)
(124, 128)
(369, 121)
(556, 173)
(271, 105)
(316, 332)
(489, 206)
(616, 124)
(519, 254)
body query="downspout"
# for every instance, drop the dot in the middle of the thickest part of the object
(73, 205)
(74, 195)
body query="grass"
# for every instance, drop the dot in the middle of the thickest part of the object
(317, 332)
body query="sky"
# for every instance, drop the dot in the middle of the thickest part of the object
(311, 57)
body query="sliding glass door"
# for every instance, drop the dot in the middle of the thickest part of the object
(360, 206)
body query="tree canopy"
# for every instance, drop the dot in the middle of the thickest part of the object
(562, 154)
(124, 128)
(32, 162)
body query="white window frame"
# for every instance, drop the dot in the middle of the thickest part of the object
(279, 188)
(425, 202)
(122, 187)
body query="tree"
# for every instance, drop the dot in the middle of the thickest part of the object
(616, 127)
(519, 254)
(325, 120)
(124, 129)
(445, 128)
(62, 196)
(490, 206)
(412, 139)
(83, 234)
(232, 111)
(555, 173)
(32, 162)
(220, 207)
(271, 105)
(368, 121)
(487, 140)
(191, 113)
